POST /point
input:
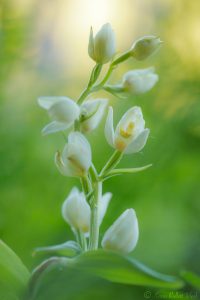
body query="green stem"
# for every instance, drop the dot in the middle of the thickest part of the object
(86, 185)
(105, 79)
(83, 241)
(84, 94)
(121, 58)
(94, 228)
(93, 78)
(111, 163)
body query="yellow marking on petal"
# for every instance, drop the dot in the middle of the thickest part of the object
(85, 228)
(120, 145)
(128, 132)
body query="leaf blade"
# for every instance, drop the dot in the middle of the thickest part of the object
(14, 275)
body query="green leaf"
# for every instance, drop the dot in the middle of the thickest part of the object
(113, 267)
(117, 172)
(191, 278)
(14, 275)
(70, 248)
(122, 269)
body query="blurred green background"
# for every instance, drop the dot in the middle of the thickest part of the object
(43, 51)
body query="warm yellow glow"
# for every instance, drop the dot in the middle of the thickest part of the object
(91, 12)
(69, 22)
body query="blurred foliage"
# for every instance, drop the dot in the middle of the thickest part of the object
(166, 197)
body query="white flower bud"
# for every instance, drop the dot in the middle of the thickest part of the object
(76, 157)
(76, 211)
(62, 110)
(123, 235)
(139, 81)
(91, 114)
(130, 135)
(145, 46)
(102, 47)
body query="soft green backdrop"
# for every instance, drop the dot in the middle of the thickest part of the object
(43, 51)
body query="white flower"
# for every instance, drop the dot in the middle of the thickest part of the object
(145, 46)
(91, 114)
(62, 110)
(139, 81)
(130, 135)
(123, 235)
(76, 157)
(102, 47)
(76, 211)
(103, 205)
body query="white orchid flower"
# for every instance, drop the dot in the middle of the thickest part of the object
(62, 110)
(103, 205)
(76, 211)
(76, 157)
(145, 46)
(130, 135)
(123, 235)
(139, 81)
(91, 114)
(102, 47)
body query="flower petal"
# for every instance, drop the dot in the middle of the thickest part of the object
(76, 211)
(63, 168)
(91, 45)
(64, 111)
(104, 44)
(47, 101)
(138, 143)
(77, 151)
(134, 114)
(109, 130)
(54, 127)
(92, 111)
(123, 234)
(140, 81)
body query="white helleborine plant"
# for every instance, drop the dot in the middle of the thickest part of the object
(84, 211)
(76, 157)
(123, 235)
(62, 110)
(91, 114)
(139, 81)
(76, 211)
(130, 135)
(102, 47)
(145, 46)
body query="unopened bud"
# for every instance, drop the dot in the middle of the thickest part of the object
(139, 81)
(145, 46)
(102, 47)
(76, 211)
(123, 235)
